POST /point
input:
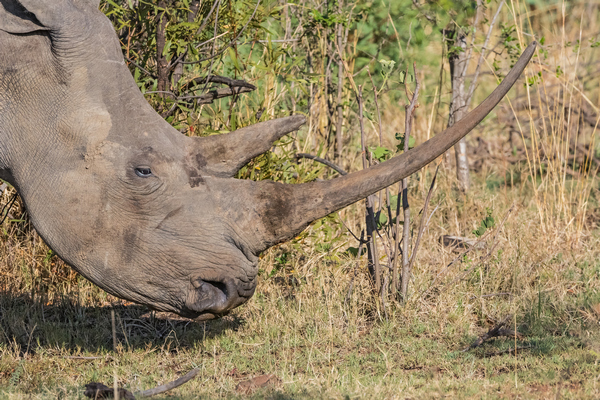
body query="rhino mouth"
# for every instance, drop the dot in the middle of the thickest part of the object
(209, 299)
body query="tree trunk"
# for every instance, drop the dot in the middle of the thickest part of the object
(161, 60)
(178, 68)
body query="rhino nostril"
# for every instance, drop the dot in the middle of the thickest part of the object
(223, 287)
(208, 296)
(216, 297)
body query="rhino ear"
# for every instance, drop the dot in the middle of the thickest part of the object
(14, 18)
(53, 15)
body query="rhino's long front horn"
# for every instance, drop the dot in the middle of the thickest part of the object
(277, 212)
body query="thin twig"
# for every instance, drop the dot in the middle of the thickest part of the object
(323, 161)
(169, 111)
(429, 18)
(211, 39)
(405, 207)
(213, 95)
(422, 223)
(140, 67)
(7, 207)
(204, 22)
(222, 80)
(482, 55)
(370, 220)
(475, 23)
(230, 43)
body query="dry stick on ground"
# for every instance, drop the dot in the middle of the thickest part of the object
(171, 385)
(498, 330)
(99, 391)
(323, 161)
(405, 207)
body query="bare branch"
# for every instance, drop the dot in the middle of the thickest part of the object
(323, 161)
(213, 95)
(422, 223)
(371, 224)
(140, 67)
(221, 79)
(406, 209)
(482, 55)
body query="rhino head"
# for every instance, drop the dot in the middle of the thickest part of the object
(141, 210)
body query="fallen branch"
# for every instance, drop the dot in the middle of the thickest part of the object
(171, 385)
(498, 330)
(96, 390)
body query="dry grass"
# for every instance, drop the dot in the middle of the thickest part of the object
(303, 325)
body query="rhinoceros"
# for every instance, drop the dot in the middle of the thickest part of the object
(144, 212)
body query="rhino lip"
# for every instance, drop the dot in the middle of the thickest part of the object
(211, 299)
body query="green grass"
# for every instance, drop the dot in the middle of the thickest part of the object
(321, 346)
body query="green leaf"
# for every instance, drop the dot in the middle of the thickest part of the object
(400, 138)
(380, 153)
(485, 224)
(353, 251)
(394, 202)
(382, 219)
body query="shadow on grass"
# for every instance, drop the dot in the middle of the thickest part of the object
(28, 325)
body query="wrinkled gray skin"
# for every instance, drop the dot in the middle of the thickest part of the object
(75, 133)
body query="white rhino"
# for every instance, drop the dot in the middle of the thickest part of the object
(141, 210)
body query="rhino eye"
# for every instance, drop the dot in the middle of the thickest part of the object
(143, 172)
